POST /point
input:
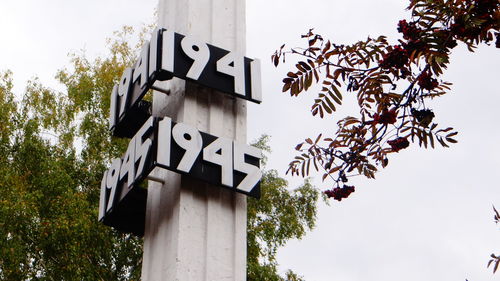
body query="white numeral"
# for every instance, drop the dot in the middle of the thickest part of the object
(164, 141)
(102, 197)
(199, 52)
(141, 66)
(220, 152)
(142, 147)
(256, 92)
(167, 55)
(112, 108)
(189, 138)
(233, 65)
(253, 172)
(123, 89)
(112, 181)
(153, 53)
(128, 164)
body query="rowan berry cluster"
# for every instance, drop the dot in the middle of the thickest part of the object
(398, 144)
(414, 45)
(412, 34)
(482, 17)
(425, 81)
(397, 57)
(386, 117)
(424, 117)
(340, 193)
(410, 30)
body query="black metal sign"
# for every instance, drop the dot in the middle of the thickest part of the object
(215, 160)
(170, 54)
(122, 202)
(179, 147)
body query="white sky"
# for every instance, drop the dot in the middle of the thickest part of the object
(428, 216)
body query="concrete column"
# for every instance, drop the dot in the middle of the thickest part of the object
(195, 231)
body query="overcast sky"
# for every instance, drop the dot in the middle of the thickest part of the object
(428, 216)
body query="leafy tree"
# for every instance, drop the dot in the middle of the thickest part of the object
(54, 148)
(391, 84)
(278, 216)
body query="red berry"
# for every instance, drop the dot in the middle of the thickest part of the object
(409, 30)
(339, 193)
(386, 117)
(426, 81)
(398, 144)
(397, 57)
(424, 116)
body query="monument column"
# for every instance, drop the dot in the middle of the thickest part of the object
(195, 231)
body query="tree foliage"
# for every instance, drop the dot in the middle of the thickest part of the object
(54, 147)
(278, 216)
(391, 83)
